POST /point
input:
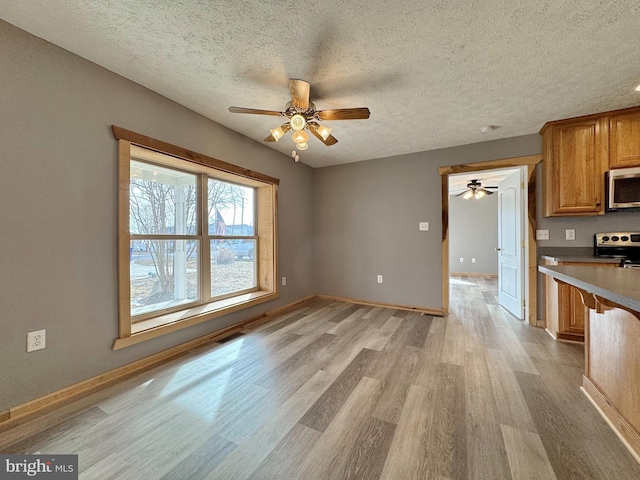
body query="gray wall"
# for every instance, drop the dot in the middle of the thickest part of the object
(473, 233)
(58, 211)
(366, 222)
(585, 227)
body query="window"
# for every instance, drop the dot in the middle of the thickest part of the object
(196, 238)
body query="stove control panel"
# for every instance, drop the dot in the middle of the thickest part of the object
(618, 239)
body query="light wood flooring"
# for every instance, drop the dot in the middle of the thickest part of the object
(334, 390)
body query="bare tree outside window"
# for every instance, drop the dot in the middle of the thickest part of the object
(164, 222)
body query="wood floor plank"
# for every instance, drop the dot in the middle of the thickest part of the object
(328, 454)
(453, 349)
(245, 459)
(284, 461)
(511, 405)
(564, 448)
(63, 432)
(486, 454)
(396, 385)
(406, 457)
(527, 457)
(384, 333)
(445, 437)
(198, 464)
(364, 460)
(326, 407)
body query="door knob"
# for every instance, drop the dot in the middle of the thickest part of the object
(498, 249)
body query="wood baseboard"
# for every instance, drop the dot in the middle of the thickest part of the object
(625, 432)
(429, 311)
(26, 411)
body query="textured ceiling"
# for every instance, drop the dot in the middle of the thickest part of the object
(431, 72)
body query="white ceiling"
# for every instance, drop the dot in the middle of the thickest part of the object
(431, 72)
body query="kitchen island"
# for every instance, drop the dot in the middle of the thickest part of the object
(612, 343)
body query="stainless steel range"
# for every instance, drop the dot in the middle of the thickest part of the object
(623, 245)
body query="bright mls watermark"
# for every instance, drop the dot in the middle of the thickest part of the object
(52, 467)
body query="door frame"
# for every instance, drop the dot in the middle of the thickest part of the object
(531, 310)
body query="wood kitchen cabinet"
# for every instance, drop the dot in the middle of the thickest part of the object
(576, 154)
(574, 162)
(624, 139)
(565, 312)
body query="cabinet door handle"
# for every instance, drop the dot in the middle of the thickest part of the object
(597, 204)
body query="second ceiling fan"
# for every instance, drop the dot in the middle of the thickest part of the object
(475, 190)
(302, 115)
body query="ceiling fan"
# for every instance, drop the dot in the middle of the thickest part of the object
(302, 115)
(475, 190)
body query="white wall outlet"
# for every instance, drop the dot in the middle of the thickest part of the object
(570, 234)
(423, 226)
(542, 234)
(36, 340)
(379, 278)
(284, 281)
(461, 260)
(473, 260)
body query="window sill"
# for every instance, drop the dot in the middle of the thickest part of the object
(161, 325)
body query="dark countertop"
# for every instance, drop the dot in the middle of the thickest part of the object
(573, 254)
(618, 285)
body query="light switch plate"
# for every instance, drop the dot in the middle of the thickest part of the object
(542, 234)
(423, 226)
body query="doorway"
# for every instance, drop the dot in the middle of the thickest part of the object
(486, 228)
(528, 274)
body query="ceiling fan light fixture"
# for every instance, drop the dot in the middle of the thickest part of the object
(324, 132)
(479, 194)
(302, 146)
(277, 133)
(298, 122)
(300, 137)
(468, 195)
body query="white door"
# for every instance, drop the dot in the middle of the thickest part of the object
(511, 246)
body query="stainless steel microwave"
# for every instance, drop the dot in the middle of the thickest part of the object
(623, 188)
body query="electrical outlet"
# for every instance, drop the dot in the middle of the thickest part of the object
(379, 278)
(423, 226)
(36, 340)
(473, 260)
(284, 281)
(542, 234)
(461, 260)
(570, 234)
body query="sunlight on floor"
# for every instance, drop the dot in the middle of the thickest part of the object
(187, 384)
(460, 282)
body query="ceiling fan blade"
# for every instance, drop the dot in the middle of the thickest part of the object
(462, 193)
(313, 128)
(489, 187)
(344, 114)
(488, 192)
(299, 92)
(254, 111)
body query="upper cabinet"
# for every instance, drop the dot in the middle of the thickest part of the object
(576, 154)
(624, 143)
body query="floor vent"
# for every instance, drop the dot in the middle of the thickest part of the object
(231, 337)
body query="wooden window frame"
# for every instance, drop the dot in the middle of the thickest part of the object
(134, 146)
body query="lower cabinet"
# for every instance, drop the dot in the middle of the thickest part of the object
(565, 313)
